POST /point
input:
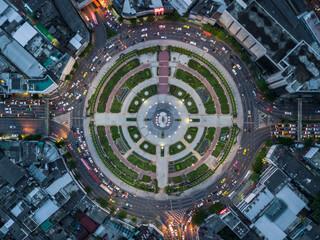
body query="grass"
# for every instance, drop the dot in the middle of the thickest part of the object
(137, 78)
(173, 149)
(114, 132)
(210, 133)
(177, 179)
(151, 149)
(116, 106)
(174, 91)
(188, 78)
(113, 81)
(133, 108)
(152, 90)
(210, 106)
(115, 161)
(193, 175)
(142, 164)
(132, 131)
(218, 149)
(192, 131)
(214, 83)
(185, 164)
(146, 178)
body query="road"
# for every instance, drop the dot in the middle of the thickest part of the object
(70, 97)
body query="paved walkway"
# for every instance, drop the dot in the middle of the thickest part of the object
(162, 166)
(218, 172)
(116, 119)
(212, 120)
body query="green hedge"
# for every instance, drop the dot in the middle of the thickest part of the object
(185, 164)
(192, 131)
(132, 131)
(173, 149)
(174, 90)
(210, 133)
(137, 78)
(114, 132)
(150, 149)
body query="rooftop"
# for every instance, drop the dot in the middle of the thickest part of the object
(9, 171)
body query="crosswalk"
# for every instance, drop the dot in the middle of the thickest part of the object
(256, 118)
(177, 215)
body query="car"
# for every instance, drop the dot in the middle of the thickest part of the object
(128, 205)
(108, 59)
(189, 220)
(219, 193)
(270, 110)
(205, 49)
(223, 180)
(234, 72)
(70, 147)
(224, 193)
(85, 92)
(316, 7)
(7, 108)
(317, 111)
(288, 113)
(200, 205)
(111, 46)
(111, 200)
(244, 151)
(85, 74)
(71, 108)
(193, 43)
(95, 58)
(234, 183)
(95, 170)
(164, 37)
(162, 26)
(238, 66)
(70, 96)
(144, 35)
(65, 104)
(92, 69)
(186, 26)
(128, 36)
(178, 29)
(124, 47)
(203, 39)
(144, 29)
(79, 150)
(12, 126)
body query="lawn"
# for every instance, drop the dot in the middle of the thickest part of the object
(114, 160)
(191, 176)
(192, 131)
(218, 149)
(113, 81)
(133, 130)
(115, 106)
(188, 78)
(146, 178)
(135, 105)
(174, 148)
(177, 179)
(149, 91)
(214, 83)
(174, 91)
(210, 133)
(114, 132)
(142, 164)
(185, 164)
(148, 147)
(210, 107)
(138, 78)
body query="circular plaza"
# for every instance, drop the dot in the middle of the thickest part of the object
(163, 119)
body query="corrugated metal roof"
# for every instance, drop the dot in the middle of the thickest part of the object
(24, 34)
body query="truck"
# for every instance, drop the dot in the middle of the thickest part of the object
(104, 187)
(94, 177)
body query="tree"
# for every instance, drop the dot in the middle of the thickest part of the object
(110, 7)
(150, 18)
(216, 208)
(72, 164)
(199, 217)
(35, 96)
(87, 189)
(103, 202)
(268, 143)
(112, 209)
(285, 141)
(308, 142)
(122, 214)
(133, 218)
(315, 205)
(120, 19)
(133, 21)
(254, 177)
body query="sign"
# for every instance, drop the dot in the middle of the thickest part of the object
(158, 11)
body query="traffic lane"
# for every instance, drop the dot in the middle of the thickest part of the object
(22, 126)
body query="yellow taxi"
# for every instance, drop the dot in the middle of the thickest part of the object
(85, 92)
(244, 151)
(223, 180)
(111, 200)
(85, 74)
(186, 26)
(224, 193)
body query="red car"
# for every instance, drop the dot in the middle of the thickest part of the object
(270, 110)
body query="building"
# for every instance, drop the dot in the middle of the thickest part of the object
(182, 6)
(273, 205)
(274, 33)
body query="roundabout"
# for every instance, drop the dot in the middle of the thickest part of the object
(163, 120)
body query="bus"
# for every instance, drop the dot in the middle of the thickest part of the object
(96, 3)
(85, 164)
(94, 177)
(94, 17)
(104, 187)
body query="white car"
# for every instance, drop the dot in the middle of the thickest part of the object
(108, 59)
(234, 72)
(112, 45)
(66, 104)
(92, 69)
(203, 39)
(78, 96)
(205, 49)
(144, 35)
(164, 37)
(288, 113)
(188, 34)
(178, 29)
(162, 26)
(95, 58)
(12, 126)
(90, 160)
(200, 205)
(95, 170)
(71, 108)
(193, 43)
(238, 66)
(213, 41)
(144, 29)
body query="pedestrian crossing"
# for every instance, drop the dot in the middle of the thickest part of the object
(256, 117)
(177, 215)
